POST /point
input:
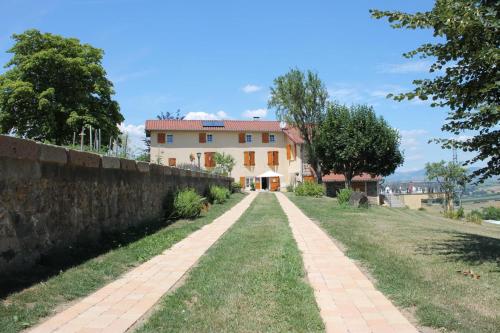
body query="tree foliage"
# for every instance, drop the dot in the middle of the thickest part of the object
(53, 87)
(224, 163)
(171, 115)
(466, 63)
(300, 100)
(451, 177)
(353, 140)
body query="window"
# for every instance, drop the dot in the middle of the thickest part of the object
(289, 154)
(272, 138)
(272, 158)
(210, 138)
(209, 160)
(265, 137)
(170, 138)
(248, 181)
(172, 162)
(161, 138)
(202, 138)
(248, 138)
(249, 158)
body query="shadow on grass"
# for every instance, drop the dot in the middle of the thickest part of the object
(470, 248)
(52, 263)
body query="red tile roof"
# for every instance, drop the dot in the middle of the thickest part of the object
(335, 177)
(294, 134)
(229, 125)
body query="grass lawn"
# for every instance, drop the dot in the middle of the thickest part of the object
(414, 257)
(251, 280)
(25, 308)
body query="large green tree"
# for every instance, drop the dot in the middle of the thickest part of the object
(466, 64)
(300, 100)
(53, 87)
(353, 140)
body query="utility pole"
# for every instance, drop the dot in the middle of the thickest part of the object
(82, 134)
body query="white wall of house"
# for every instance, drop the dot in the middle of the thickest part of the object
(186, 143)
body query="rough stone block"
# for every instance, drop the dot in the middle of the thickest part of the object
(128, 165)
(143, 166)
(156, 169)
(53, 154)
(83, 158)
(19, 148)
(110, 162)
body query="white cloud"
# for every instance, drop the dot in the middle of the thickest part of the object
(251, 88)
(412, 141)
(136, 135)
(345, 94)
(261, 113)
(420, 66)
(206, 116)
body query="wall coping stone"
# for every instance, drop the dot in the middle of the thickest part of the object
(83, 158)
(142, 166)
(128, 165)
(110, 162)
(18, 148)
(53, 154)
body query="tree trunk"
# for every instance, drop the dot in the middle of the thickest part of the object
(449, 202)
(348, 180)
(317, 170)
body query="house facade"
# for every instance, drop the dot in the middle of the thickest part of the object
(267, 154)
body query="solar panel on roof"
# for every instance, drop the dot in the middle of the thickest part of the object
(212, 123)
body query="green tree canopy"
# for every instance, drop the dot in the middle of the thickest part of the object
(466, 62)
(300, 100)
(450, 176)
(353, 140)
(53, 87)
(224, 163)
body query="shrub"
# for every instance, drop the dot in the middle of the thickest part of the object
(421, 209)
(491, 213)
(343, 196)
(475, 217)
(218, 194)
(460, 213)
(235, 188)
(188, 204)
(252, 186)
(290, 188)
(310, 189)
(455, 214)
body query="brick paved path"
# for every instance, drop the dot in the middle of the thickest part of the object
(348, 301)
(118, 305)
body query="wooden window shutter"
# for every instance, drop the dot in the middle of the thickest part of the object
(202, 138)
(269, 158)
(172, 162)
(252, 158)
(242, 182)
(246, 158)
(241, 137)
(211, 159)
(207, 160)
(265, 137)
(288, 152)
(275, 158)
(161, 137)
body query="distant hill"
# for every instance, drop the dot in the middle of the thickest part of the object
(419, 175)
(398, 176)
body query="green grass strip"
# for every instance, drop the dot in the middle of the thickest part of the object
(415, 258)
(251, 280)
(22, 309)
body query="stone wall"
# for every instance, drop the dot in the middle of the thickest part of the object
(52, 197)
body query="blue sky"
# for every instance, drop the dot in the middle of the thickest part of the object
(217, 59)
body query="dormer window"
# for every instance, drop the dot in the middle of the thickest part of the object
(248, 138)
(170, 138)
(210, 138)
(272, 138)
